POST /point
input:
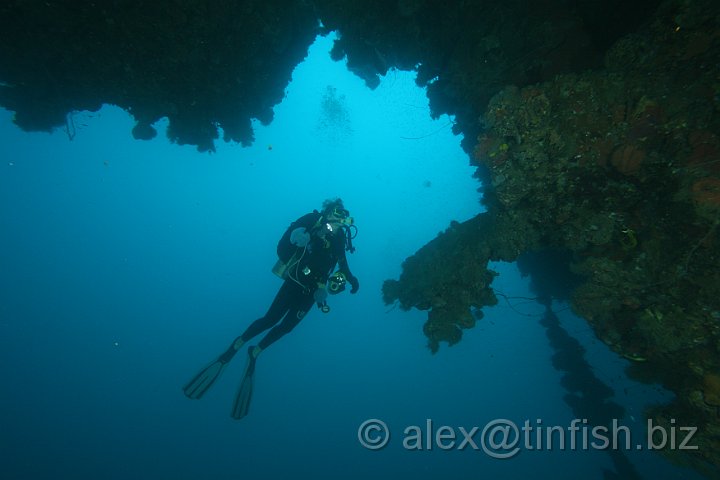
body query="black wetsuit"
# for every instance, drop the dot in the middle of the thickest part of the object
(295, 297)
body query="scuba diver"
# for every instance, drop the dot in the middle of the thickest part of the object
(308, 253)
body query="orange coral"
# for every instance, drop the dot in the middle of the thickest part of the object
(706, 192)
(490, 150)
(705, 150)
(699, 44)
(711, 389)
(627, 159)
(702, 137)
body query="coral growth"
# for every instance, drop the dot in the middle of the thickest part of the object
(711, 389)
(627, 159)
(705, 151)
(204, 66)
(618, 167)
(706, 192)
(448, 277)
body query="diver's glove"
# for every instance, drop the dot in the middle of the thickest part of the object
(300, 237)
(354, 283)
(320, 295)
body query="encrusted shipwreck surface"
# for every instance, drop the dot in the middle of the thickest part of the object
(210, 65)
(595, 125)
(465, 51)
(620, 166)
(449, 276)
(203, 65)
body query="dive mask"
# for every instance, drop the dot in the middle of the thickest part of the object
(341, 215)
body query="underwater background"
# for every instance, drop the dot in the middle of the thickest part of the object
(127, 266)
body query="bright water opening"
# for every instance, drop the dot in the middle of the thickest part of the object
(128, 265)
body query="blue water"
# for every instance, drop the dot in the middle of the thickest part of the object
(127, 266)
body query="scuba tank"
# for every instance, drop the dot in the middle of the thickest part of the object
(281, 268)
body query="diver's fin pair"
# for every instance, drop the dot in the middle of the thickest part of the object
(202, 382)
(241, 407)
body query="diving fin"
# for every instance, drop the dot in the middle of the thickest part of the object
(241, 407)
(202, 382)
